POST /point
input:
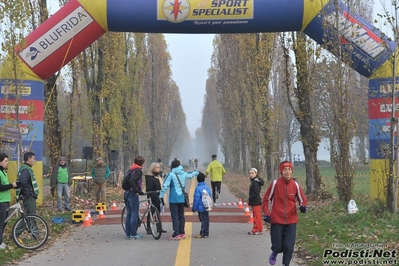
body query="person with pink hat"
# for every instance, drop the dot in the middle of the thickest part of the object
(279, 208)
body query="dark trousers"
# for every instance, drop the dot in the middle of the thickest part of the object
(3, 215)
(157, 204)
(30, 205)
(283, 240)
(216, 186)
(178, 220)
(204, 218)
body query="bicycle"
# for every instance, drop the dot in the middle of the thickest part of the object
(150, 212)
(30, 231)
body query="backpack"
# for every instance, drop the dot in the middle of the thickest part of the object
(126, 180)
(206, 200)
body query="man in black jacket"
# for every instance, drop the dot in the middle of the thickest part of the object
(29, 188)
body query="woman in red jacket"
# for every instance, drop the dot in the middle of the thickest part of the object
(279, 207)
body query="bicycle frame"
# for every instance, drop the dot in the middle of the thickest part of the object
(147, 210)
(14, 211)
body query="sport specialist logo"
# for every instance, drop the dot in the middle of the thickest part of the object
(176, 11)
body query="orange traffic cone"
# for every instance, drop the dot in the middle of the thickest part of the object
(114, 207)
(251, 219)
(101, 214)
(240, 203)
(87, 213)
(86, 220)
(246, 209)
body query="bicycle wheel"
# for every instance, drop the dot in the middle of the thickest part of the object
(123, 219)
(30, 232)
(155, 223)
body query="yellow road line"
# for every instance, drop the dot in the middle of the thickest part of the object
(183, 253)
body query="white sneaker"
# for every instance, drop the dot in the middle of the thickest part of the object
(3, 246)
(215, 205)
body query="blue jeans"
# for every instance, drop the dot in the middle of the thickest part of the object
(132, 212)
(204, 218)
(62, 189)
(178, 220)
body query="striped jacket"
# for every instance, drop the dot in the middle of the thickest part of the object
(280, 201)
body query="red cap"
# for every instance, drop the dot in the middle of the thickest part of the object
(284, 165)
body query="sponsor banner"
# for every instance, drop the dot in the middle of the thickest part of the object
(10, 148)
(30, 130)
(59, 39)
(379, 148)
(367, 47)
(382, 88)
(382, 108)
(27, 110)
(29, 90)
(380, 128)
(204, 16)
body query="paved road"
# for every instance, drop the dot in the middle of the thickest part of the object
(229, 244)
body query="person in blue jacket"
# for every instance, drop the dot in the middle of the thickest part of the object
(203, 213)
(176, 197)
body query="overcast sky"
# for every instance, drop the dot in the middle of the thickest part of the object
(191, 59)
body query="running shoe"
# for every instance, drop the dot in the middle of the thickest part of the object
(272, 259)
(137, 236)
(182, 236)
(174, 237)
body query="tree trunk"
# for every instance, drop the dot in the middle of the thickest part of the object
(52, 130)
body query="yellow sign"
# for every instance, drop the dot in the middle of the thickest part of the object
(182, 10)
(10, 89)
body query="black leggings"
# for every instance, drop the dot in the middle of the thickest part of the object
(216, 186)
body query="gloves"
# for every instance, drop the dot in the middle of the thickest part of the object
(141, 193)
(302, 209)
(266, 218)
(52, 191)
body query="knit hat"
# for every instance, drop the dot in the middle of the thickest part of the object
(99, 159)
(62, 158)
(284, 165)
(214, 156)
(175, 163)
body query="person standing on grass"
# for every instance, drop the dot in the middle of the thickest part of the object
(217, 171)
(29, 188)
(279, 207)
(61, 180)
(5, 195)
(255, 201)
(100, 173)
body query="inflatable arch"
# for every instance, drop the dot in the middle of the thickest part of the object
(81, 22)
